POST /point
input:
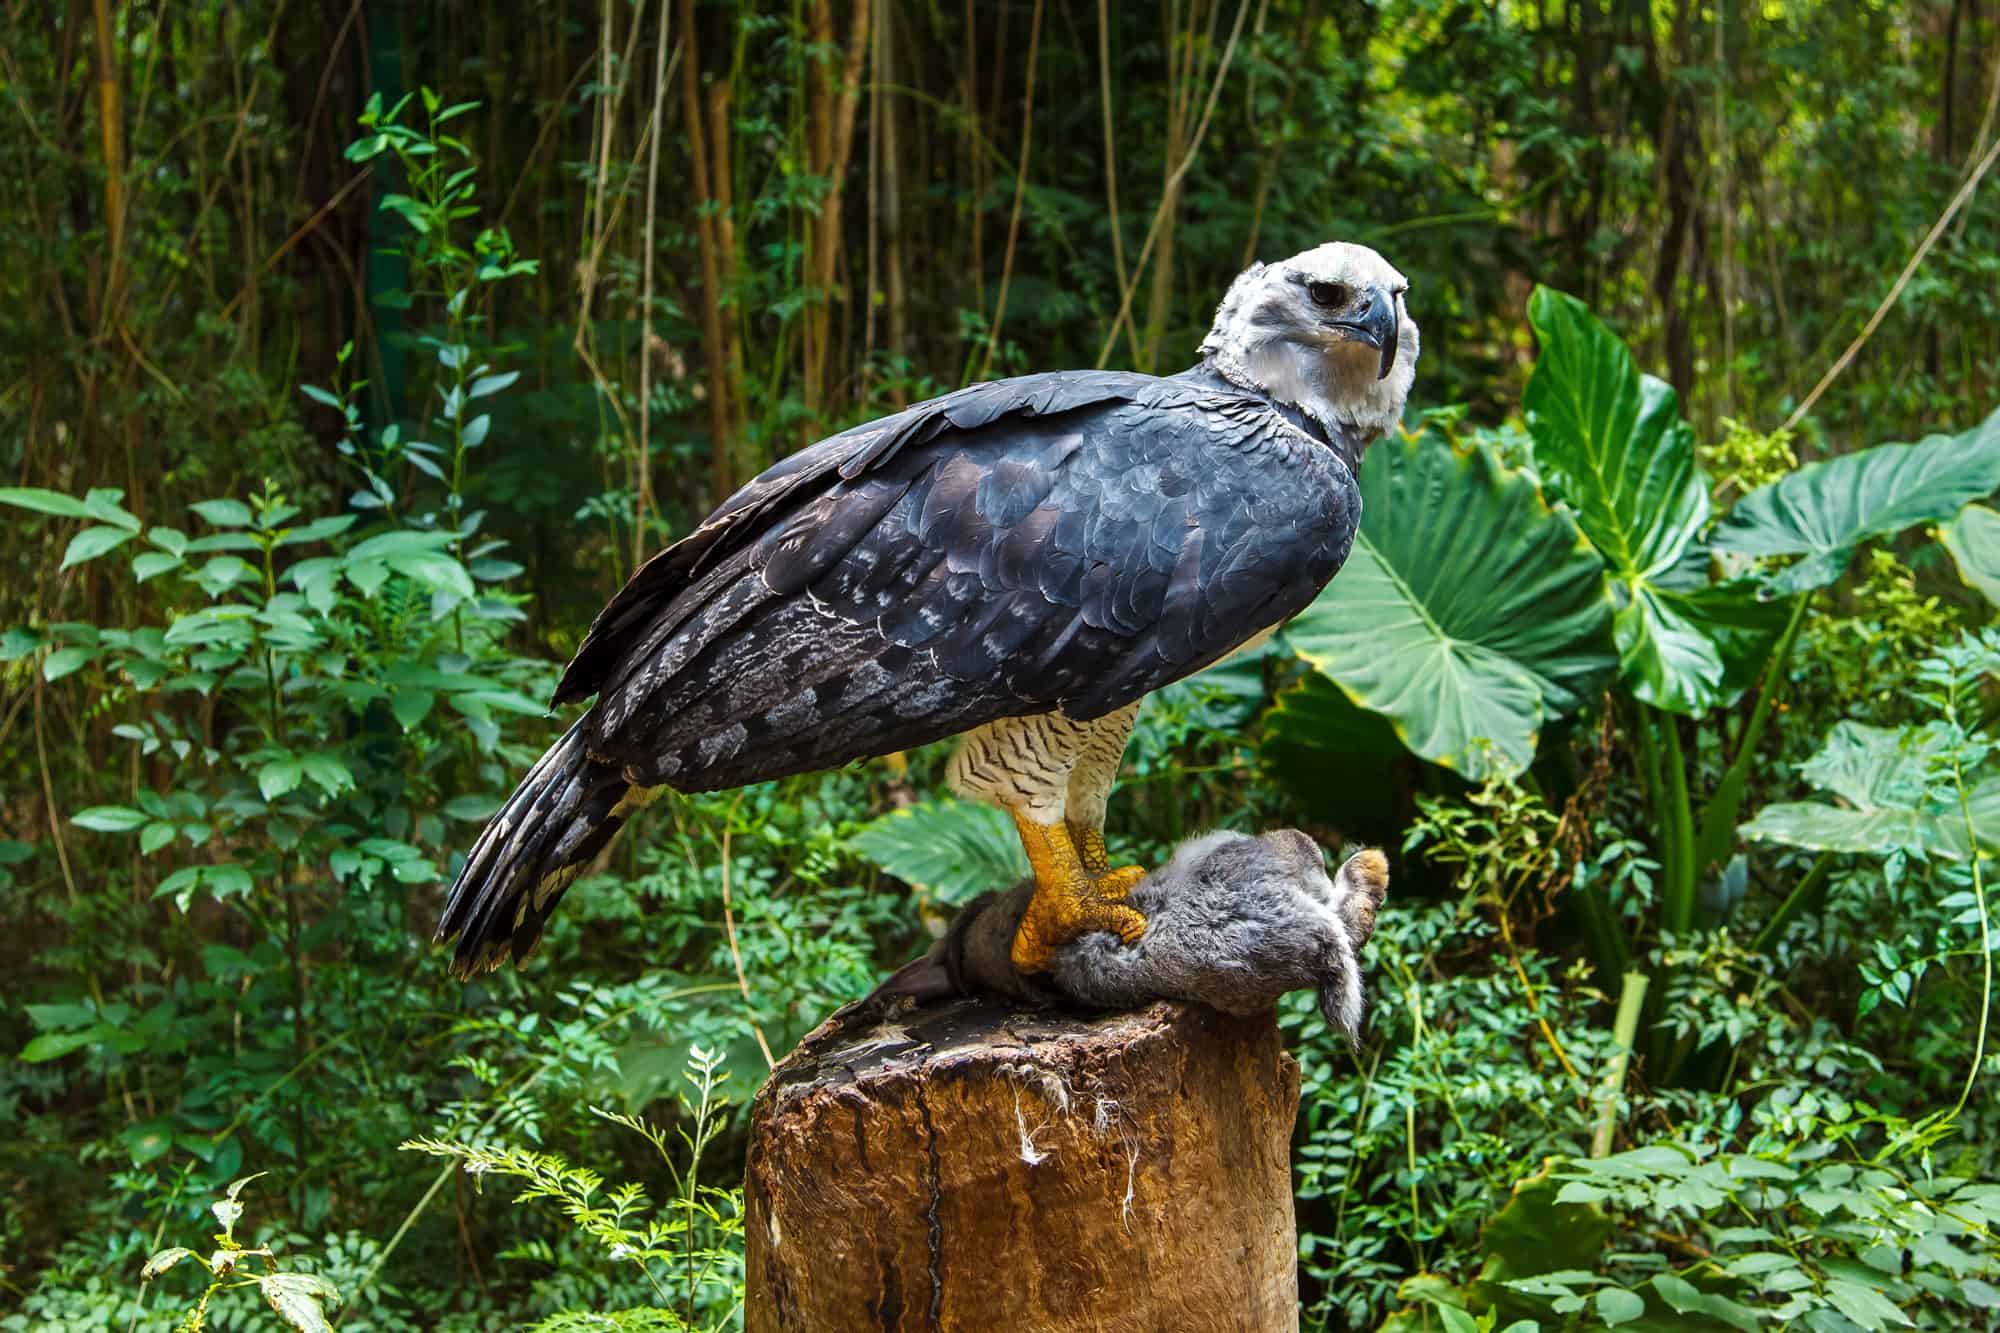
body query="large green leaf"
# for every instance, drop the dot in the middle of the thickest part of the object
(1973, 538)
(1468, 611)
(955, 849)
(1687, 651)
(1824, 510)
(1874, 766)
(1883, 776)
(1610, 443)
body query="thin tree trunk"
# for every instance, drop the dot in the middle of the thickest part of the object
(715, 354)
(1020, 189)
(873, 283)
(894, 256)
(1267, 169)
(598, 225)
(1111, 168)
(1173, 183)
(976, 153)
(1675, 142)
(722, 183)
(1180, 78)
(1726, 256)
(831, 143)
(111, 125)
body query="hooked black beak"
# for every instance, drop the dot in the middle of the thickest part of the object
(1377, 326)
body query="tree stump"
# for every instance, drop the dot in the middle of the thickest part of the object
(973, 1166)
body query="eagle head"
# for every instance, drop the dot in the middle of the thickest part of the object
(1326, 331)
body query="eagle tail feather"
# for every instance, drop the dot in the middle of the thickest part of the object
(566, 811)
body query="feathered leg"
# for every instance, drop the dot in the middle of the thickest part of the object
(1090, 783)
(1023, 765)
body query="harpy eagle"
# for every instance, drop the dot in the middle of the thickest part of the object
(1018, 563)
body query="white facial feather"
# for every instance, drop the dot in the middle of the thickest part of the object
(1270, 335)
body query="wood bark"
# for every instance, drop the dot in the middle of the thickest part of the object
(111, 124)
(971, 1166)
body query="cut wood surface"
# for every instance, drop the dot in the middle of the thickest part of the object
(974, 1166)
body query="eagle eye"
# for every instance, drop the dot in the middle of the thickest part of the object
(1329, 294)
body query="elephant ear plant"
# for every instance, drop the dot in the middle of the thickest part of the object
(1607, 442)
(1470, 614)
(1513, 595)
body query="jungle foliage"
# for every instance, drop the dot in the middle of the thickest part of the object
(351, 355)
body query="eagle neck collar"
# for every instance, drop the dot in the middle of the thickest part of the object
(1213, 375)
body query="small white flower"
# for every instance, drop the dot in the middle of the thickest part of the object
(622, 1251)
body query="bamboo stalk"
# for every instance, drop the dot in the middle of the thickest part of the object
(895, 257)
(977, 160)
(1726, 258)
(1917, 258)
(1267, 169)
(1180, 79)
(1152, 231)
(722, 180)
(1111, 170)
(872, 283)
(832, 142)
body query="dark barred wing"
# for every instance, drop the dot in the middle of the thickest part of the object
(1072, 541)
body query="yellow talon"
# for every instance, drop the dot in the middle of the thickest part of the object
(1117, 884)
(1070, 900)
(1096, 861)
(1090, 848)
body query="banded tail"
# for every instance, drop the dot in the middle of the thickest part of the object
(566, 811)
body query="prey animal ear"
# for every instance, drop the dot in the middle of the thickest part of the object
(1298, 853)
(1358, 891)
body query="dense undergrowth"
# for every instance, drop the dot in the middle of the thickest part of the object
(1680, 731)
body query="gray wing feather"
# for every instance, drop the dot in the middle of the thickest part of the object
(1069, 541)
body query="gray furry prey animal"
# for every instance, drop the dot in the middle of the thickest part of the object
(1232, 921)
(1017, 563)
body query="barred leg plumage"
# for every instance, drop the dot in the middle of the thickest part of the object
(1054, 775)
(1090, 783)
